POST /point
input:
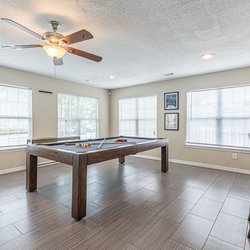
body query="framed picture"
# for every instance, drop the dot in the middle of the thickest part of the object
(171, 121)
(171, 100)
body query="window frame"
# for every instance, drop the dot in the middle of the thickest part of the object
(79, 120)
(216, 147)
(136, 111)
(19, 147)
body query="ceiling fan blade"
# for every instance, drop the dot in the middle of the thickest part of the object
(84, 54)
(20, 26)
(20, 46)
(58, 61)
(78, 36)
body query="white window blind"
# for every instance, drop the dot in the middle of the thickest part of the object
(138, 116)
(77, 116)
(15, 116)
(219, 117)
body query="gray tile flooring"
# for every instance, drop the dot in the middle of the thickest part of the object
(132, 206)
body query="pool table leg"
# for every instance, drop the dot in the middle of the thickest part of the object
(31, 172)
(122, 159)
(79, 186)
(164, 159)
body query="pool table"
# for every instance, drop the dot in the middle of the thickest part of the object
(69, 152)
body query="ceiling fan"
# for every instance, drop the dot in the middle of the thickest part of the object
(56, 44)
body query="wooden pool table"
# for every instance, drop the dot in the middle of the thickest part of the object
(69, 153)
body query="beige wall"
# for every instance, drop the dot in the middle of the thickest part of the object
(44, 107)
(45, 112)
(178, 150)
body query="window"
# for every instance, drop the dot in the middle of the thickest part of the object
(15, 116)
(219, 117)
(77, 116)
(137, 116)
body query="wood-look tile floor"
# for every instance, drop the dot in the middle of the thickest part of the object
(132, 206)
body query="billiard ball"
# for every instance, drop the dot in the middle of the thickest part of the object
(120, 140)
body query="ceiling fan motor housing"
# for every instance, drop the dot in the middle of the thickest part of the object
(54, 38)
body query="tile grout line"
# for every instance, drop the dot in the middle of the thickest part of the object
(226, 242)
(13, 238)
(17, 229)
(180, 243)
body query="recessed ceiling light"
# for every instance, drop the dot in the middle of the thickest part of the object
(169, 74)
(207, 56)
(111, 77)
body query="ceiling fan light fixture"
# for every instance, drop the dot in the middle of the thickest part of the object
(207, 56)
(54, 51)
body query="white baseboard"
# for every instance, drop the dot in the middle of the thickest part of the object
(20, 168)
(197, 164)
(217, 167)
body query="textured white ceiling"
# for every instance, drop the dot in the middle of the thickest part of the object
(139, 40)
